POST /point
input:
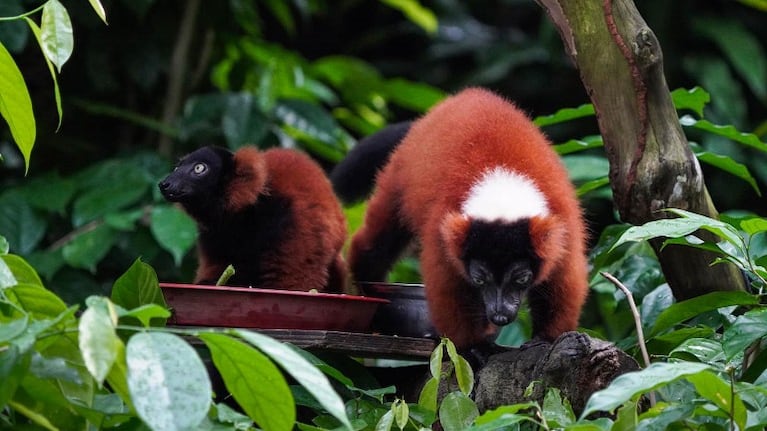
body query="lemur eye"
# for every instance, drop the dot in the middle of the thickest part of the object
(199, 168)
(524, 278)
(478, 280)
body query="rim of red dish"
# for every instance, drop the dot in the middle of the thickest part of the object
(342, 296)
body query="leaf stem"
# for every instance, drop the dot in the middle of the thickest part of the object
(25, 14)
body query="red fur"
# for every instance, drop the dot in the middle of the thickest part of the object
(427, 179)
(308, 257)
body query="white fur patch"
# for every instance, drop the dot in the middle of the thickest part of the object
(505, 195)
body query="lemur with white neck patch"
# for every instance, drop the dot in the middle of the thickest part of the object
(478, 185)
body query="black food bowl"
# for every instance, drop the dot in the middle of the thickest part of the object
(405, 315)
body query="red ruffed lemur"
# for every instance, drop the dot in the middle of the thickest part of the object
(489, 201)
(272, 215)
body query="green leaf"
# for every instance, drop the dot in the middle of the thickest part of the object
(24, 228)
(6, 275)
(565, 114)
(730, 132)
(463, 372)
(4, 246)
(690, 308)
(386, 421)
(742, 48)
(88, 248)
(685, 224)
(168, 382)
(557, 411)
(146, 314)
(56, 93)
(630, 385)
(138, 286)
(98, 339)
(118, 375)
(694, 99)
(107, 198)
(576, 145)
(504, 416)
(590, 186)
(435, 359)
(39, 302)
(716, 390)
(457, 412)
(49, 192)
(401, 413)
(704, 350)
(730, 166)
(416, 13)
(16, 105)
(746, 329)
(754, 225)
(416, 96)
(22, 271)
(314, 127)
(281, 11)
(242, 121)
(254, 381)
(56, 33)
(12, 329)
(174, 230)
(13, 367)
(300, 369)
(99, 9)
(428, 396)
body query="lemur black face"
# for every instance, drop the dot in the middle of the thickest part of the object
(501, 265)
(197, 177)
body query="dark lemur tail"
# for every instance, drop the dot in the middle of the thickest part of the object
(354, 176)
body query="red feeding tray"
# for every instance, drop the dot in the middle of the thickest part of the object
(243, 307)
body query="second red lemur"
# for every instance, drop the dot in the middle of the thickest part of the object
(477, 184)
(271, 214)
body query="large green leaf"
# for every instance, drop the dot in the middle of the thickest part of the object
(690, 308)
(88, 248)
(730, 132)
(630, 385)
(56, 33)
(138, 286)
(107, 198)
(38, 301)
(457, 412)
(13, 367)
(16, 105)
(49, 192)
(174, 230)
(694, 99)
(254, 381)
(22, 226)
(730, 166)
(564, 114)
(300, 369)
(412, 95)
(168, 382)
(56, 93)
(22, 271)
(746, 329)
(742, 48)
(98, 339)
(722, 394)
(314, 127)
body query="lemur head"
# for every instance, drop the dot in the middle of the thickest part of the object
(504, 241)
(199, 178)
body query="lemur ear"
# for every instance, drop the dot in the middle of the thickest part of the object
(453, 231)
(548, 236)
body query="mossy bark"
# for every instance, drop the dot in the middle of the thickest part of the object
(651, 165)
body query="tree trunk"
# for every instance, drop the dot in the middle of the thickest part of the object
(651, 165)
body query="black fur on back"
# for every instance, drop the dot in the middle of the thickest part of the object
(245, 238)
(499, 244)
(354, 176)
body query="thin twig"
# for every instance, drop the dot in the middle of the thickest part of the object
(637, 322)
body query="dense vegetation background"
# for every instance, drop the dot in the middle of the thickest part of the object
(164, 77)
